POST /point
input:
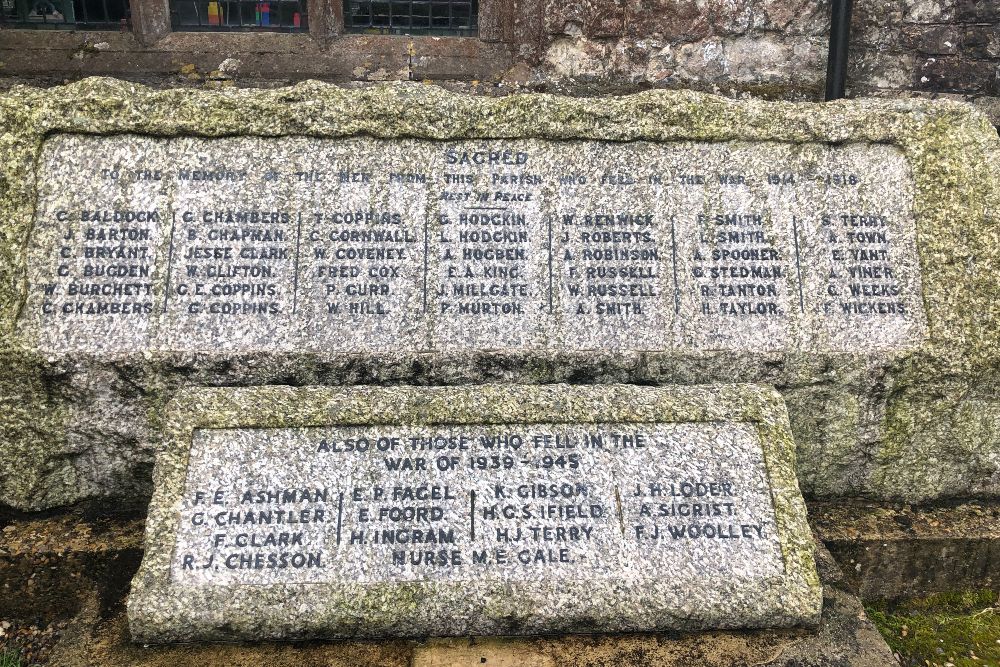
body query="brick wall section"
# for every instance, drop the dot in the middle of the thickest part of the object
(774, 46)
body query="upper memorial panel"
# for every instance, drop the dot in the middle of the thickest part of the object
(346, 245)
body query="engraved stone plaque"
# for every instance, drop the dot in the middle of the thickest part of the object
(376, 504)
(464, 521)
(348, 245)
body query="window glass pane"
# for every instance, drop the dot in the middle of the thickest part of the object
(239, 15)
(66, 14)
(413, 17)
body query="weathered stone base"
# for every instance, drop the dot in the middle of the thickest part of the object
(74, 568)
(893, 552)
(50, 566)
(82, 568)
(845, 637)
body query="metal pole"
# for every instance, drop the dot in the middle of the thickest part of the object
(840, 37)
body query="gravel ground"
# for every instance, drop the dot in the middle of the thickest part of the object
(26, 645)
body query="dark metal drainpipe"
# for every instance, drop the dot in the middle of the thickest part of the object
(840, 36)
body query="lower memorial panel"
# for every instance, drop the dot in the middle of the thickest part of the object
(512, 503)
(490, 509)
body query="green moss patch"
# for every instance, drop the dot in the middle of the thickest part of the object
(944, 630)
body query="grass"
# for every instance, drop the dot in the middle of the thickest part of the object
(10, 658)
(945, 630)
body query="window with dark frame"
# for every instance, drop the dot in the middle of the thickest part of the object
(66, 14)
(239, 15)
(456, 18)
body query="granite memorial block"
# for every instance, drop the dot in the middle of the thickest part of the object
(400, 234)
(494, 509)
(357, 244)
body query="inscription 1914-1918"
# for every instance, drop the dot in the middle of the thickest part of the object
(308, 244)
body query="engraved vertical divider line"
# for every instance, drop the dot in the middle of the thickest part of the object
(170, 260)
(673, 252)
(427, 251)
(295, 275)
(621, 511)
(798, 263)
(472, 515)
(549, 217)
(340, 514)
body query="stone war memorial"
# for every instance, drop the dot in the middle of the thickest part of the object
(429, 377)
(483, 510)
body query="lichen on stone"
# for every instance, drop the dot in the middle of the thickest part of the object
(915, 425)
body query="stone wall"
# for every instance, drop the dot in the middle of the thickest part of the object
(775, 47)
(772, 48)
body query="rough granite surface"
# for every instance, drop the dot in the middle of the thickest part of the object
(730, 441)
(915, 422)
(362, 245)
